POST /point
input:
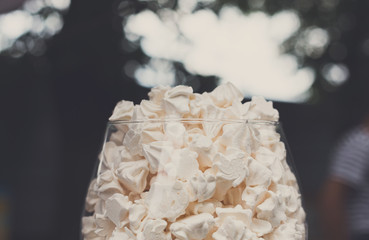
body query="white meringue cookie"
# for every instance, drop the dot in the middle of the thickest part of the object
(154, 230)
(241, 136)
(236, 111)
(174, 132)
(224, 95)
(167, 200)
(290, 197)
(231, 168)
(194, 227)
(205, 149)
(156, 94)
(176, 101)
(132, 141)
(289, 178)
(122, 111)
(113, 155)
(133, 175)
(233, 229)
(260, 227)
(259, 174)
(271, 210)
(151, 109)
(183, 166)
(124, 234)
(108, 184)
(268, 134)
(253, 196)
(89, 227)
(117, 135)
(203, 186)
(212, 128)
(157, 154)
(299, 215)
(237, 213)
(208, 206)
(100, 207)
(259, 109)
(92, 196)
(290, 230)
(137, 212)
(197, 102)
(265, 156)
(104, 227)
(117, 207)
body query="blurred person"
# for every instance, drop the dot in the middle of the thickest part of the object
(345, 195)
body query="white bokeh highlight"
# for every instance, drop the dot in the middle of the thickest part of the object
(27, 20)
(244, 49)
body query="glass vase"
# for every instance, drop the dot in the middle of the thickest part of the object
(194, 179)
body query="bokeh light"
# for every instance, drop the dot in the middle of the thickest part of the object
(335, 74)
(243, 48)
(25, 29)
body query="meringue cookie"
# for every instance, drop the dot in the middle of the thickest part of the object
(271, 210)
(224, 95)
(259, 109)
(194, 227)
(133, 175)
(238, 213)
(117, 207)
(233, 229)
(157, 154)
(203, 145)
(203, 186)
(104, 227)
(259, 174)
(125, 234)
(290, 230)
(231, 168)
(265, 156)
(151, 109)
(183, 166)
(290, 198)
(92, 196)
(108, 184)
(137, 212)
(132, 141)
(212, 128)
(167, 200)
(154, 230)
(113, 155)
(253, 196)
(176, 101)
(89, 227)
(174, 132)
(268, 135)
(208, 206)
(156, 94)
(122, 111)
(240, 136)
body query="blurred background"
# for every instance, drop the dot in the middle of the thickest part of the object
(65, 63)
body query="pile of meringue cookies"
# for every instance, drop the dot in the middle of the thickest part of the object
(191, 166)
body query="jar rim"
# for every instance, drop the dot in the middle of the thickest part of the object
(194, 120)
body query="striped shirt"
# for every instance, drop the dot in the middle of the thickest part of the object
(351, 166)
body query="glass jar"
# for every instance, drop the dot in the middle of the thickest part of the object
(194, 179)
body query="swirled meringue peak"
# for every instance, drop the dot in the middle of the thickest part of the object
(190, 166)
